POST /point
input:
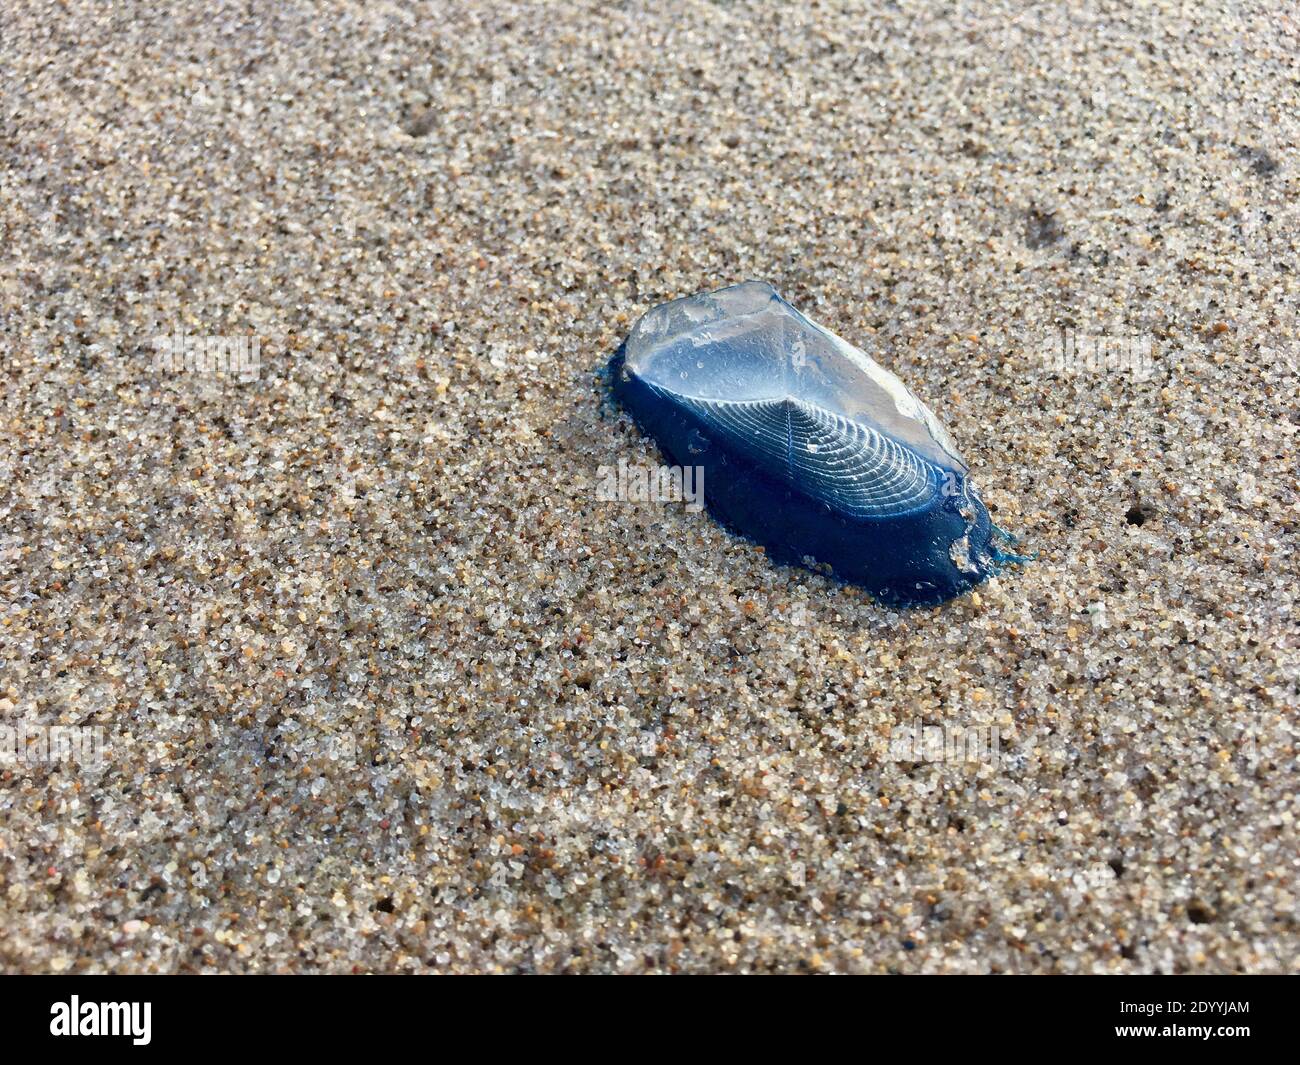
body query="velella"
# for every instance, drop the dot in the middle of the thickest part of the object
(807, 445)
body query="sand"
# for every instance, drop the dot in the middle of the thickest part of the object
(383, 685)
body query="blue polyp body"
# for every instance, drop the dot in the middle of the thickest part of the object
(937, 549)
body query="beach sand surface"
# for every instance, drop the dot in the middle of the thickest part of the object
(383, 685)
